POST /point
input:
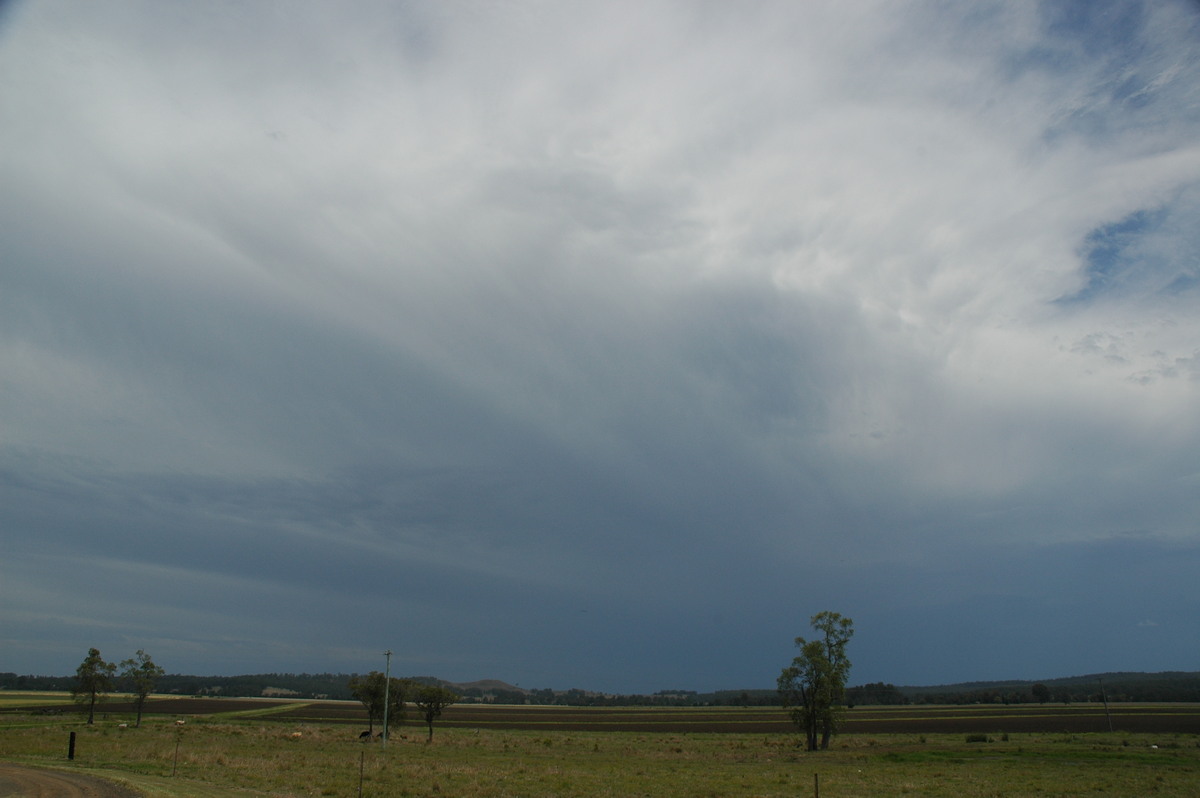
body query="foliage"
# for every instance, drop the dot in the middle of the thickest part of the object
(813, 687)
(93, 681)
(431, 700)
(142, 674)
(875, 694)
(372, 690)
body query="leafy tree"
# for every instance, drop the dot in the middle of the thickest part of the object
(431, 700)
(93, 681)
(813, 687)
(372, 688)
(142, 675)
(1041, 693)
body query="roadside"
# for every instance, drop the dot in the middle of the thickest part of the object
(18, 781)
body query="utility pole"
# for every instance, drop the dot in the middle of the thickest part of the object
(387, 699)
(1104, 698)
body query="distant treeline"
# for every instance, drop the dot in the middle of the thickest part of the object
(1166, 686)
(1116, 687)
(299, 685)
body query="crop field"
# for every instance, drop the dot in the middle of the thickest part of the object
(772, 720)
(1015, 718)
(261, 747)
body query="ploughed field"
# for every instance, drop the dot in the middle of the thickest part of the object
(987, 719)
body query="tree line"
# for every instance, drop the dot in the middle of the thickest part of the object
(1167, 687)
(1171, 686)
(1119, 687)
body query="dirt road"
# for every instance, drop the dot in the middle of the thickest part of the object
(23, 782)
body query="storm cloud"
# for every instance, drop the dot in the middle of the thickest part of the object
(600, 345)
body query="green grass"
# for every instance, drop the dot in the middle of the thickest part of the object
(248, 756)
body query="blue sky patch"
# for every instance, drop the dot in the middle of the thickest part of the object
(1147, 252)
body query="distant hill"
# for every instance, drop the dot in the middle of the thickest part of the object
(1120, 686)
(1117, 687)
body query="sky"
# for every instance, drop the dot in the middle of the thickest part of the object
(600, 345)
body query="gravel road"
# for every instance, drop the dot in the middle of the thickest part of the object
(23, 782)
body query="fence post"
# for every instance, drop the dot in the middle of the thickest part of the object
(71, 747)
(816, 786)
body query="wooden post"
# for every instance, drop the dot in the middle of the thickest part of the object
(71, 747)
(816, 786)
(362, 757)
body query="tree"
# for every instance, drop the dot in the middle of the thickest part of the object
(813, 687)
(93, 681)
(370, 690)
(430, 701)
(142, 674)
(1041, 693)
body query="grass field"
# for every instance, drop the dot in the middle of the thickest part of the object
(235, 749)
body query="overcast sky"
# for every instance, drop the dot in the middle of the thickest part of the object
(600, 344)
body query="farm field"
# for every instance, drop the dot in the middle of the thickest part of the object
(260, 747)
(920, 719)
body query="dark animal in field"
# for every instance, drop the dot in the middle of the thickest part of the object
(365, 735)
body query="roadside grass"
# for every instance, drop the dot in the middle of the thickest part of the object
(246, 756)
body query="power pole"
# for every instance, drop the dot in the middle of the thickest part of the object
(387, 698)
(1104, 698)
